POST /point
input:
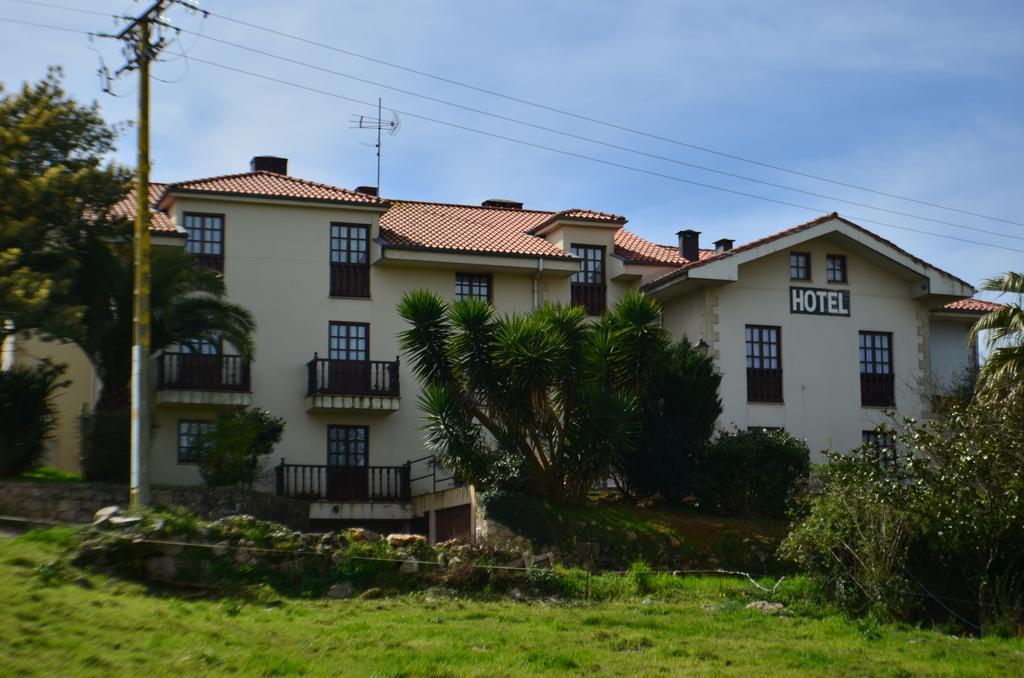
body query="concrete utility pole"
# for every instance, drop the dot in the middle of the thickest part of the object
(141, 50)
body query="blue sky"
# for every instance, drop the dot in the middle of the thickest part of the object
(921, 99)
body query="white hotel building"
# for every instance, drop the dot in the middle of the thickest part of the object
(817, 329)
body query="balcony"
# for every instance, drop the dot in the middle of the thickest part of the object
(877, 390)
(354, 385)
(343, 483)
(198, 379)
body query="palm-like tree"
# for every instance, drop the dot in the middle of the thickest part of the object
(546, 397)
(1003, 371)
(187, 304)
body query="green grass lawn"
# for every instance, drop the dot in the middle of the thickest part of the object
(58, 622)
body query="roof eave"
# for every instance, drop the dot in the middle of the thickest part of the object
(170, 191)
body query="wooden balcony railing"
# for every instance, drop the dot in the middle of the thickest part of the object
(764, 385)
(343, 483)
(214, 261)
(176, 370)
(350, 280)
(877, 390)
(590, 296)
(352, 377)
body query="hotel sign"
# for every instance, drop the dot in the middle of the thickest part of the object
(814, 301)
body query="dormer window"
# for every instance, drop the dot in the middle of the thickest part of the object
(206, 239)
(588, 287)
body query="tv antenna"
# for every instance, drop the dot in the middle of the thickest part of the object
(381, 125)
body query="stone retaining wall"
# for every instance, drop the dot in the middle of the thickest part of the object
(77, 502)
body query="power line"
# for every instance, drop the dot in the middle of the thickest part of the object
(254, 50)
(610, 163)
(567, 153)
(623, 128)
(580, 137)
(50, 26)
(80, 10)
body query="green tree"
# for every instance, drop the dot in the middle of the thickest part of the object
(544, 398)
(187, 303)
(231, 452)
(65, 258)
(56, 194)
(679, 414)
(1003, 371)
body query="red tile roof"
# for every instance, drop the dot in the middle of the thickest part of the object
(159, 221)
(790, 231)
(502, 230)
(263, 184)
(466, 228)
(971, 306)
(637, 250)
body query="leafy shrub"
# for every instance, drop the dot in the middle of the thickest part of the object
(231, 451)
(679, 416)
(27, 415)
(930, 530)
(751, 472)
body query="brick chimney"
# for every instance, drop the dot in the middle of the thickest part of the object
(689, 244)
(269, 163)
(367, 190)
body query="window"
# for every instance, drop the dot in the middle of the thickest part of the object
(348, 341)
(206, 239)
(201, 347)
(799, 266)
(588, 287)
(473, 286)
(350, 260)
(188, 431)
(877, 383)
(883, 443)
(835, 265)
(347, 445)
(764, 364)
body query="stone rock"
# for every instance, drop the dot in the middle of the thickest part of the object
(405, 539)
(161, 567)
(766, 606)
(340, 591)
(220, 549)
(442, 561)
(362, 534)
(104, 514)
(372, 594)
(409, 567)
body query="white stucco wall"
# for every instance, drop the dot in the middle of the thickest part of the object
(78, 397)
(821, 379)
(952, 356)
(277, 265)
